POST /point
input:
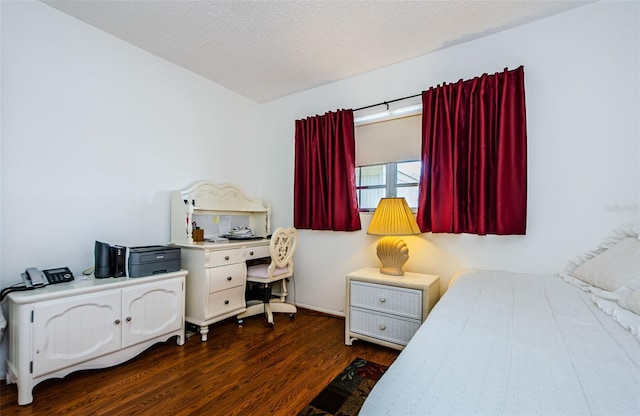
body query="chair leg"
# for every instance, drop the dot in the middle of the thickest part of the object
(282, 307)
(258, 307)
(269, 314)
(269, 306)
(282, 293)
(253, 308)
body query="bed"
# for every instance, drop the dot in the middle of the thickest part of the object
(502, 343)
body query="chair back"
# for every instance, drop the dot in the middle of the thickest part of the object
(282, 248)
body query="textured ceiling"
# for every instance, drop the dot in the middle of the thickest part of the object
(268, 49)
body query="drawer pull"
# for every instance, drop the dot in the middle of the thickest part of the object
(229, 278)
(226, 257)
(251, 253)
(382, 327)
(128, 319)
(117, 322)
(226, 302)
(382, 299)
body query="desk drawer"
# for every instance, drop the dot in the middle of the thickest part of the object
(257, 252)
(225, 277)
(223, 257)
(225, 301)
(382, 326)
(396, 300)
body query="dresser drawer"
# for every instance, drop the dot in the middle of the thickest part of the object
(223, 257)
(382, 326)
(257, 252)
(396, 300)
(225, 277)
(225, 301)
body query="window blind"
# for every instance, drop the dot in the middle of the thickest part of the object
(394, 140)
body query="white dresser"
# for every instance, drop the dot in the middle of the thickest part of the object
(387, 310)
(89, 323)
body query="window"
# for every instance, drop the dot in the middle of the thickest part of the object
(392, 179)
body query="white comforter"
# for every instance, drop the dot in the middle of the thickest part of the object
(502, 343)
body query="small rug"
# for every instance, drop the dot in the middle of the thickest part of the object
(345, 395)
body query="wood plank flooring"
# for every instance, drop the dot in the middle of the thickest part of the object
(241, 370)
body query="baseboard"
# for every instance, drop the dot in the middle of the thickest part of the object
(317, 309)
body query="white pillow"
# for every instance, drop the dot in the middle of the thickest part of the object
(613, 268)
(629, 229)
(632, 302)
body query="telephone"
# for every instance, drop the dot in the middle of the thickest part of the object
(33, 277)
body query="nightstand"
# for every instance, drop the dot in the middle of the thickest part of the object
(387, 310)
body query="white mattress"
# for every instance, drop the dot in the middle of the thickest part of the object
(501, 343)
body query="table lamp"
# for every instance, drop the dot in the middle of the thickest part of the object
(393, 217)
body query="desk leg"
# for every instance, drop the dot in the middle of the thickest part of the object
(204, 330)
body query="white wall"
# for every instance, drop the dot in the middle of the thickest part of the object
(95, 135)
(582, 89)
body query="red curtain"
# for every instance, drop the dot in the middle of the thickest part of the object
(474, 156)
(324, 177)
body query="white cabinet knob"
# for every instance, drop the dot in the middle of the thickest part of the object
(382, 327)
(382, 299)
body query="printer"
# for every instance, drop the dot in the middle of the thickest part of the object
(149, 260)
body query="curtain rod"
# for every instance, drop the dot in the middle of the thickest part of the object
(388, 102)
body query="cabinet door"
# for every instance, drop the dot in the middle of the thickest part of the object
(151, 310)
(73, 330)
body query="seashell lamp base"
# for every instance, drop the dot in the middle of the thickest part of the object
(393, 254)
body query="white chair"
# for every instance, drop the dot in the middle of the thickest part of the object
(282, 248)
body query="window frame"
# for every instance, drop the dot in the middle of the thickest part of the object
(391, 185)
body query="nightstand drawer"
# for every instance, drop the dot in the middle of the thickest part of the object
(225, 277)
(396, 300)
(382, 326)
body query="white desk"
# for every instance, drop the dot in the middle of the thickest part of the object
(217, 279)
(217, 271)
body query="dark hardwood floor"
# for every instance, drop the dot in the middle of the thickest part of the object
(241, 370)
